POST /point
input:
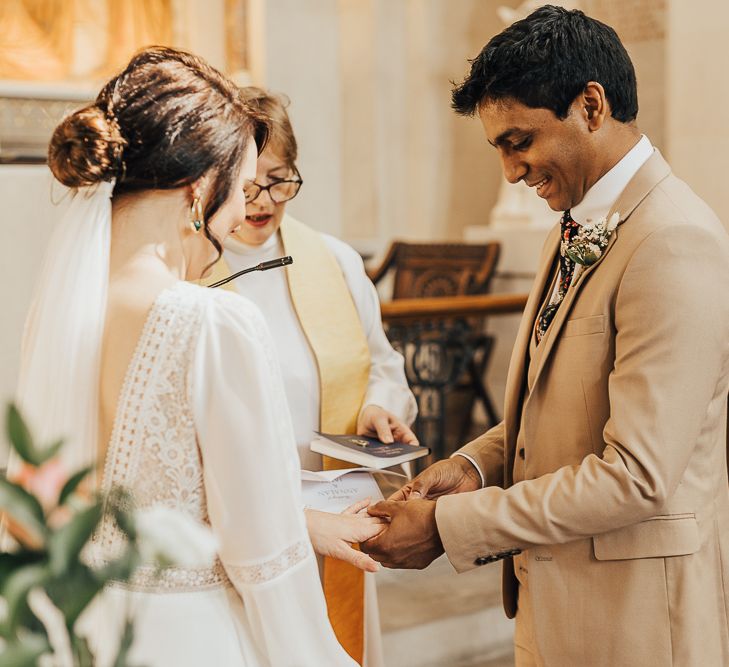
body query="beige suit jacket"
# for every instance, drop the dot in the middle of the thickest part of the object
(624, 512)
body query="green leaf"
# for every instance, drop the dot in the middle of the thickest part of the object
(72, 484)
(120, 504)
(24, 652)
(11, 562)
(22, 441)
(47, 453)
(66, 543)
(122, 568)
(16, 591)
(82, 651)
(125, 644)
(73, 591)
(23, 507)
(19, 435)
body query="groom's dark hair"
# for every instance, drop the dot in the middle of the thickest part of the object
(546, 60)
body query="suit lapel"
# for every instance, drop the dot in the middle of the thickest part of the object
(517, 366)
(563, 311)
(646, 178)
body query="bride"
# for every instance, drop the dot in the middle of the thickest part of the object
(176, 388)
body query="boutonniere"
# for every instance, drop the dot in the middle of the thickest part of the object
(588, 244)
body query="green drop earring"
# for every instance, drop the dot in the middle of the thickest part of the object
(196, 215)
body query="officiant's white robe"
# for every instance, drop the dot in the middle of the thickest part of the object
(387, 386)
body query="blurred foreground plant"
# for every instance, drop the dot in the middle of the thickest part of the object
(45, 582)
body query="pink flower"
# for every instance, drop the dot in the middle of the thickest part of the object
(44, 482)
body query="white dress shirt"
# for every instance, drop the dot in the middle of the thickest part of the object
(598, 200)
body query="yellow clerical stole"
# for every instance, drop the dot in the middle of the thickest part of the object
(331, 324)
(327, 314)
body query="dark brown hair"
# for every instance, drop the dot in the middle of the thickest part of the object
(546, 60)
(166, 120)
(281, 135)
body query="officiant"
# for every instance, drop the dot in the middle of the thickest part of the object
(340, 373)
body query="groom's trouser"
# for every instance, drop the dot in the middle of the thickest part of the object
(526, 653)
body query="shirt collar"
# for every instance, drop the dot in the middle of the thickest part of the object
(597, 201)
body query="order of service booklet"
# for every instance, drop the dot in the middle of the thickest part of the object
(335, 490)
(366, 451)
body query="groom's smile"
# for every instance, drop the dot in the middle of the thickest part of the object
(541, 186)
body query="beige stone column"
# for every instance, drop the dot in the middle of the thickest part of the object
(698, 97)
(301, 54)
(358, 99)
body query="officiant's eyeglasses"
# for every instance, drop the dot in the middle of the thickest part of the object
(278, 191)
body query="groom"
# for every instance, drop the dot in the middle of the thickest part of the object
(604, 490)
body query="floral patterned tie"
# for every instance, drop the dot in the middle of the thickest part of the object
(566, 271)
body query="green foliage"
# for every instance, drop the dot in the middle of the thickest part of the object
(49, 557)
(11, 562)
(22, 441)
(23, 508)
(17, 612)
(66, 543)
(122, 568)
(15, 591)
(73, 591)
(125, 645)
(119, 505)
(24, 652)
(72, 484)
(82, 651)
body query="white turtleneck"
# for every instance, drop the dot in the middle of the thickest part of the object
(387, 384)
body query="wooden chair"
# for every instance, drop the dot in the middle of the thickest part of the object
(438, 269)
(423, 270)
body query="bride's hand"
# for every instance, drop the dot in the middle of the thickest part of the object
(333, 534)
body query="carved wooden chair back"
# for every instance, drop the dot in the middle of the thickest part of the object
(424, 270)
(438, 269)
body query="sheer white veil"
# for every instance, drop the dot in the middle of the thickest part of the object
(58, 388)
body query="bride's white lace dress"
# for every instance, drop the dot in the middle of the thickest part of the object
(202, 426)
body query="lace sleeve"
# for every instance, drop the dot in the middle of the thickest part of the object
(253, 488)
(262, 573)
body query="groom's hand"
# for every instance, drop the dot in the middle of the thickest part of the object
(411, 541)
(454, 475)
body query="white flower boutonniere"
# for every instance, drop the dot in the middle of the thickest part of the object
(587, 246)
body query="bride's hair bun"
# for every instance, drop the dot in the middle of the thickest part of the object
(86, 148)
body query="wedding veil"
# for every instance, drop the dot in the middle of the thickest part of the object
(58, 387)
